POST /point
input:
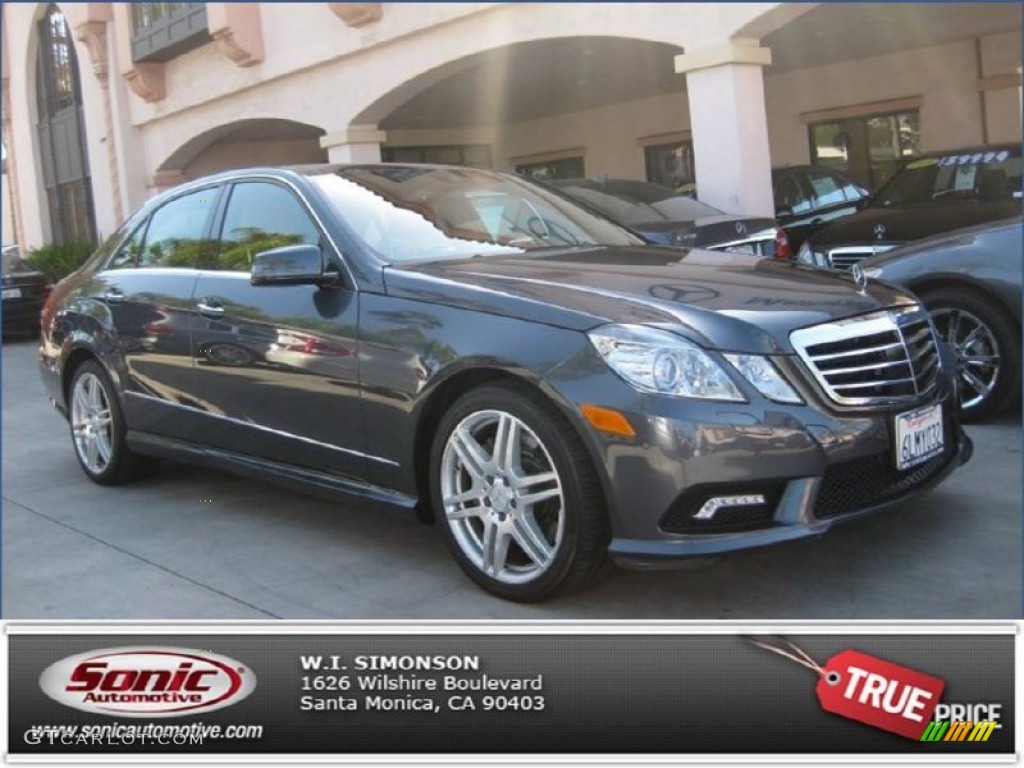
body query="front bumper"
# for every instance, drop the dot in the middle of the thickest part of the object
(795, 517)
(815, 465)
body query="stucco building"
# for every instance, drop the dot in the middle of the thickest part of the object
(105, 104)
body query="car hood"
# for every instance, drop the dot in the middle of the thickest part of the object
(729, 301)
(911, 222)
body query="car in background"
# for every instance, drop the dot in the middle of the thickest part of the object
(970, 282)
(24, 291)
(927, 195)
(666, 217)
(807, 199)
(477, 348)
(810, 197)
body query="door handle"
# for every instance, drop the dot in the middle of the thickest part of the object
(816, 221)
(210, 308)
(113, 296)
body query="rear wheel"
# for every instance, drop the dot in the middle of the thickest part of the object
(986, 343)
(521, 507)
(98, 430)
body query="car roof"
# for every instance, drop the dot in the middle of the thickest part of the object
(290, 172)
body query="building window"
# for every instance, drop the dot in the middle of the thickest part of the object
(868, 148)
(563, 168)
(472, 155)
(671, 165)
(161, 31)
(61, 133)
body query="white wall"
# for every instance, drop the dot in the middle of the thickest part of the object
(6, 212)
(242, 154)
(1001, 55)
(609, 134)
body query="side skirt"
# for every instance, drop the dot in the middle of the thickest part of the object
(286, 475)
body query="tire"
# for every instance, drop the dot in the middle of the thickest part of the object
(524, 551)
(988, 366)
(98, 430)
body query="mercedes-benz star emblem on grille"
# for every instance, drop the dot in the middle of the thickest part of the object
(741, 228)
(859, 277)
(879, 231)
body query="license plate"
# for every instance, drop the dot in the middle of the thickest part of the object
(12, 293)
(919, 436)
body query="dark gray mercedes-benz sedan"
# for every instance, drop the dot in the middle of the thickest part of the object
(474, 346)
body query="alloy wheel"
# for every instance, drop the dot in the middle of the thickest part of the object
(976, 349)
(91, 423)
(502, 497)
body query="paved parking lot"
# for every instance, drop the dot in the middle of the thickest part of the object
(193, 543)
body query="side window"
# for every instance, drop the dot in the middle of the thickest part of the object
(127, 256)
(850, 190)
(788, 194)
(260, 216)
(174, 237)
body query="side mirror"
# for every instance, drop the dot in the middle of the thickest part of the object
(783, 213)
(290, 265)
(864, 202)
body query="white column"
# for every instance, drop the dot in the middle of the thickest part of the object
(725, 86)
(355, 144)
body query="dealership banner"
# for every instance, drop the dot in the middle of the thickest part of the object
(670, 689)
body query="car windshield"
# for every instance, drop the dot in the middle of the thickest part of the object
(985, 176)
(636, 202)
(412, 213)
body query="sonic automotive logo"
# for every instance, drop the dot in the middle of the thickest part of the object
(147, 681)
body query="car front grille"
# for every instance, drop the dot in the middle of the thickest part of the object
(862, 483)
(847, 256)
(882, 358)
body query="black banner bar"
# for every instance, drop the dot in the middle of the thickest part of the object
(479, 693)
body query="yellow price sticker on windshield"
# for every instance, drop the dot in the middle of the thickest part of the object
(922, 163)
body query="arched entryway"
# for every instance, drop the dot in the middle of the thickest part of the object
(61, 130)
(554, 108)
(243, 143)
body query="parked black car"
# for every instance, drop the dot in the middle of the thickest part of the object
(669, 218)
(24, 291)
(810, 197)
(475, 346)
(970, 281)
(927, 195)
(807, 199)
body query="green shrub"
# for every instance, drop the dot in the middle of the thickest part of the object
(59, 260)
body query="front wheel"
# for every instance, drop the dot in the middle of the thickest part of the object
(520, 505)
(986, 344)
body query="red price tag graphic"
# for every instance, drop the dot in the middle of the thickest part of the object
(870, 690)
(879, 693)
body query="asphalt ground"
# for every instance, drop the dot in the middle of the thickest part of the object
(193, 543)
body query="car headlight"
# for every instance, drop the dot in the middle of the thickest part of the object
(653, 360)
(760, 372)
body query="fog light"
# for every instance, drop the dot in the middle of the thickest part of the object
(712, 505)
